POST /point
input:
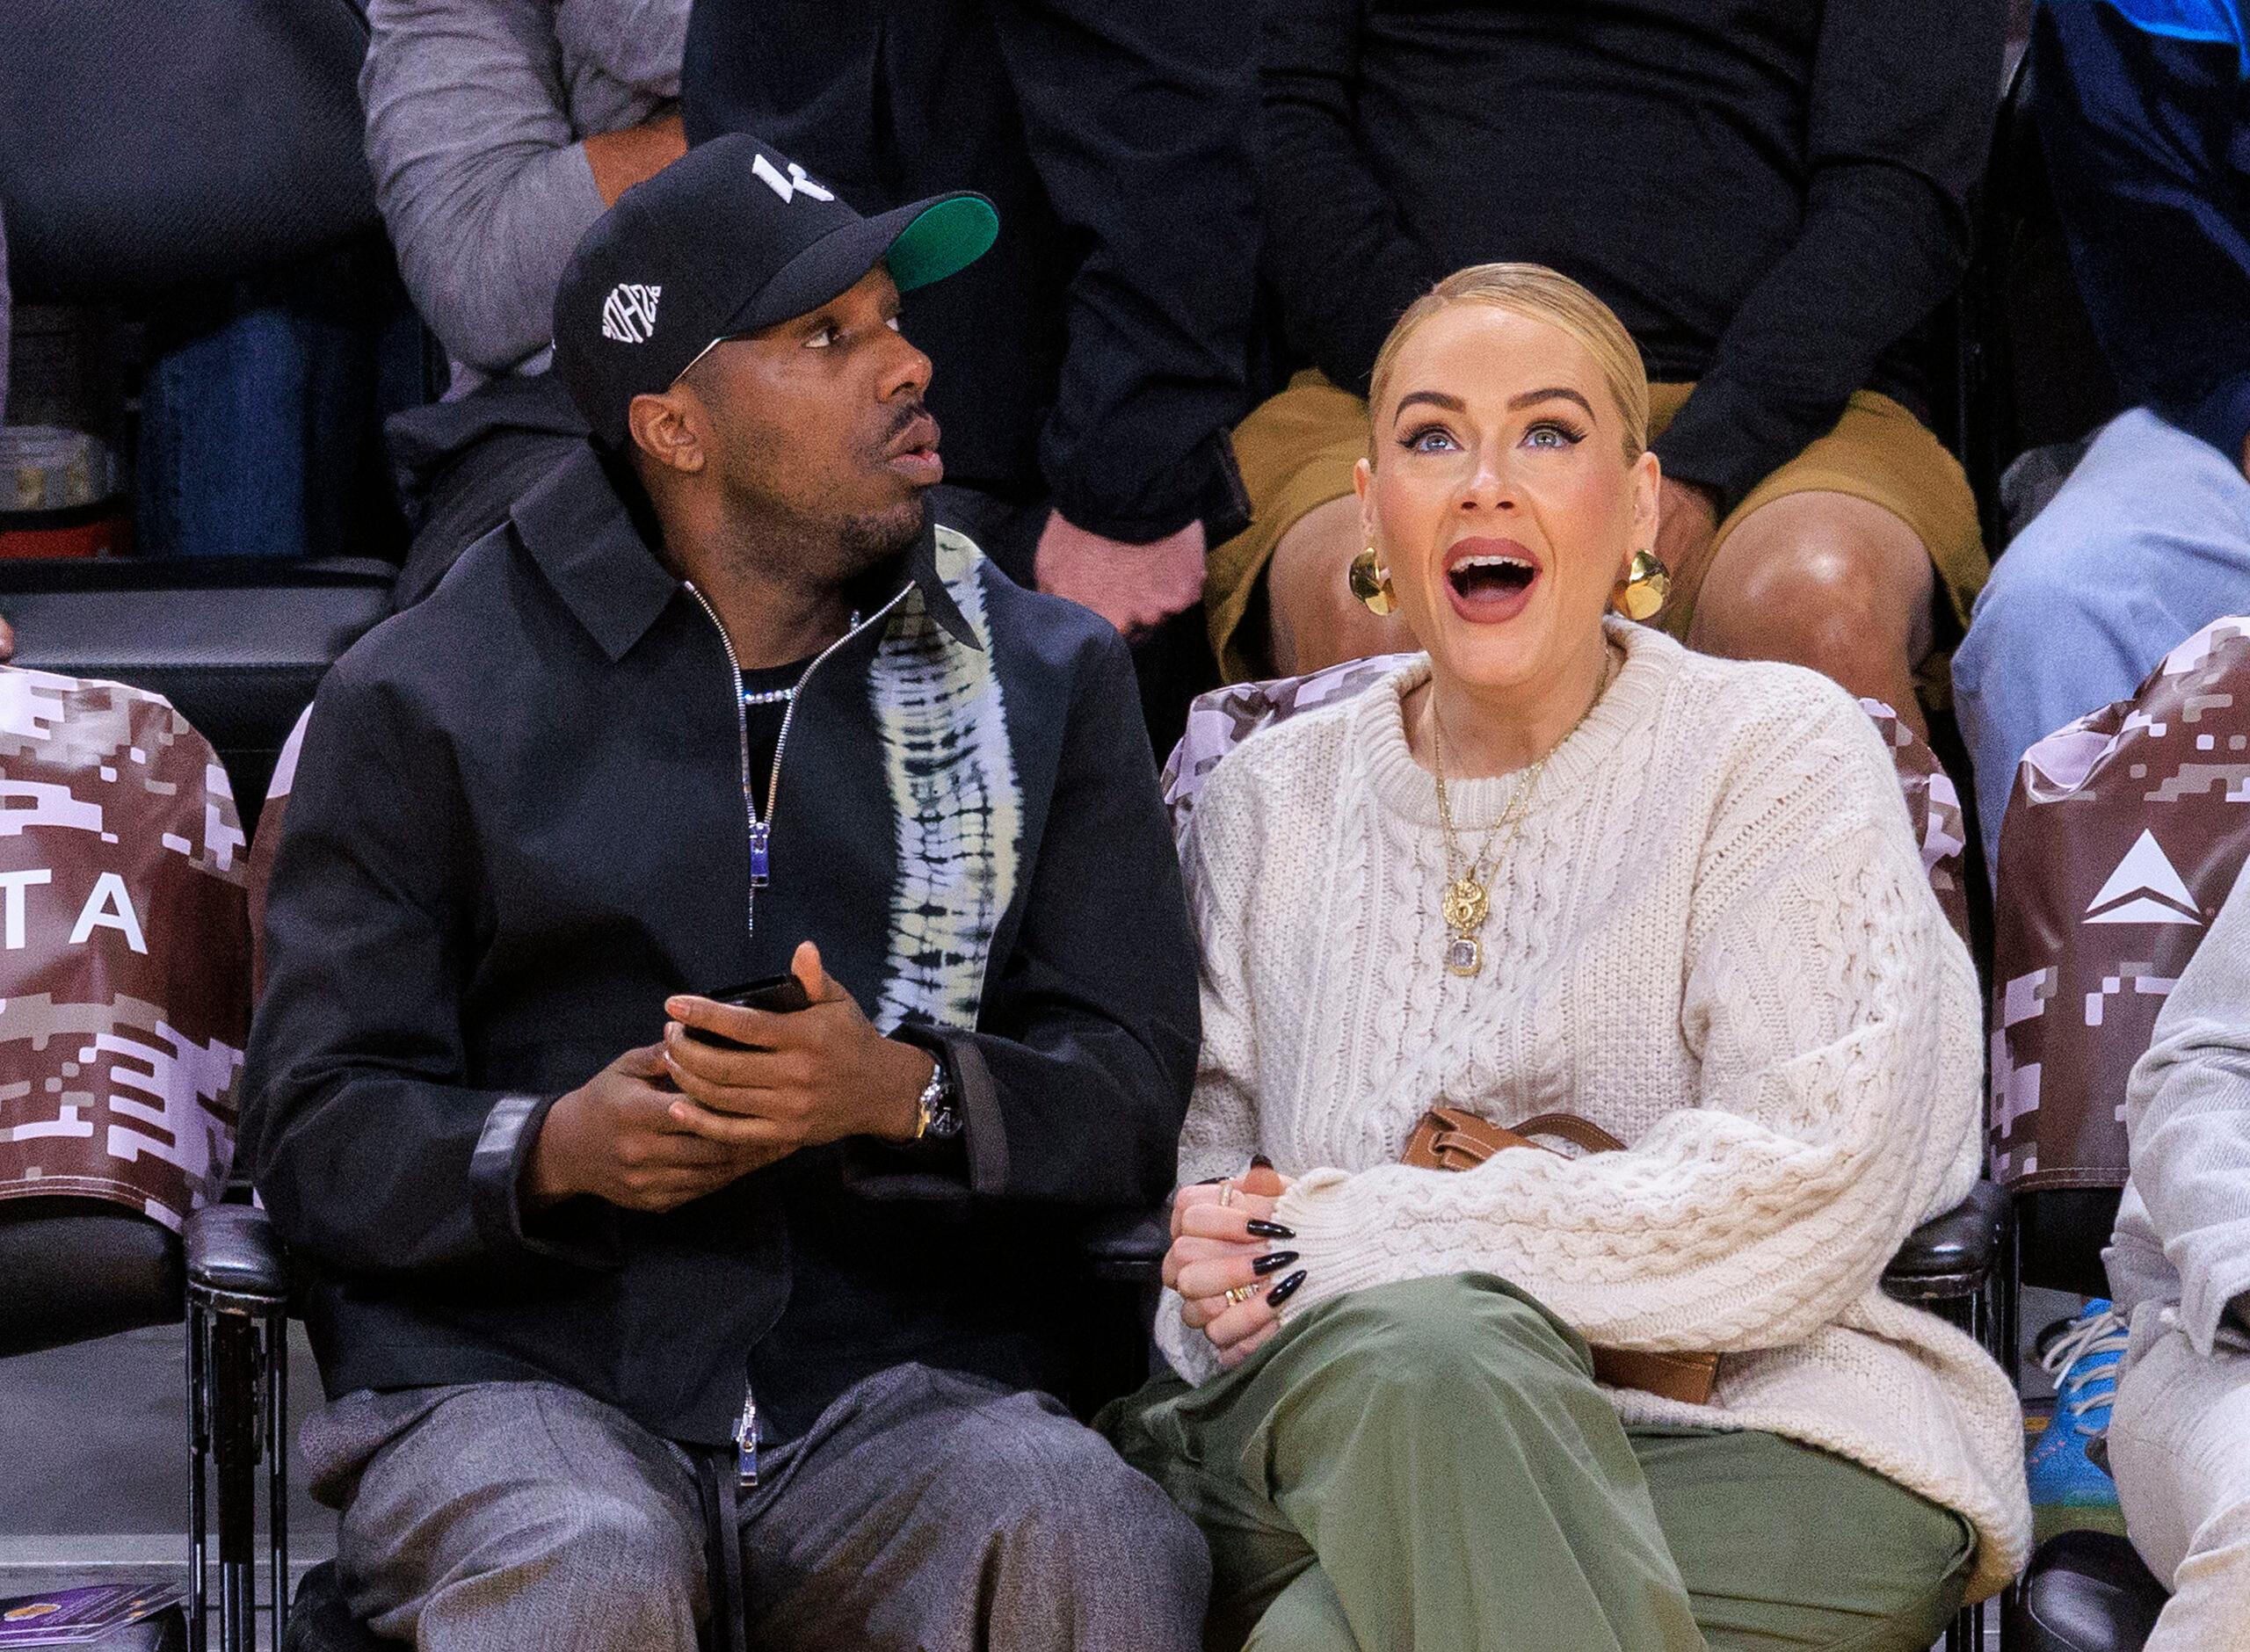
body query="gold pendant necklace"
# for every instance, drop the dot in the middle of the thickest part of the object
(1468, 900)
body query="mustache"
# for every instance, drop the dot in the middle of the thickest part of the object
(907, 415)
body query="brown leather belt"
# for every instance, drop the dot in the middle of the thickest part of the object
(1448, 1138)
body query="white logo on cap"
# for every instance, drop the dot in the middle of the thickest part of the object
(628, 314)
(788, 188)
(2146, 888)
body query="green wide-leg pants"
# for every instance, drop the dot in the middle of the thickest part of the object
(1430, 1465)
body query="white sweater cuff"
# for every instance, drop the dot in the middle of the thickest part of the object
(1337, 1221)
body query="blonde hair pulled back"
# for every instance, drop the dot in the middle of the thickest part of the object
(1541, 294)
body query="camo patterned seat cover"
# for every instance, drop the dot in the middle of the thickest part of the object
(1223, 719)
(2125, 833)
(124, 949)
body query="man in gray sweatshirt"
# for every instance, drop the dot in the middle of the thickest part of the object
(2179, 1270)
(498, 131)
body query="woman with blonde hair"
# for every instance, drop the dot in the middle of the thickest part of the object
(1557, 864)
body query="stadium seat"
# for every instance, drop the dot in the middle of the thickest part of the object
(2085, 1591)
(238, 647)
(77, 1269)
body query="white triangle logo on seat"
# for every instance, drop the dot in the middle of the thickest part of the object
(2146, 888)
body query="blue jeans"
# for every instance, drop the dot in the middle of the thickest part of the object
(262, 409)
(2146, 544)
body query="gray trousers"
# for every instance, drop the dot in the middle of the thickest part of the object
(925, 1511)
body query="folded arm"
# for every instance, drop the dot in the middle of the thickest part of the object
(1902, 98)
(1140, 119)
(1344, 265)
(483, 184)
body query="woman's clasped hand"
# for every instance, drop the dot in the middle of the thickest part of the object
(1230, 1261)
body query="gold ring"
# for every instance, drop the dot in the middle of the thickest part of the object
(1227, 1191)
(1241, 1293)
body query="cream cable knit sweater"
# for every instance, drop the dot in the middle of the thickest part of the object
(1713, 938)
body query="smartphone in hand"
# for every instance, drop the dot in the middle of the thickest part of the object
(779, 995)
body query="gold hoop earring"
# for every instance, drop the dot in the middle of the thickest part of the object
(1647, 586)
(1371, 583)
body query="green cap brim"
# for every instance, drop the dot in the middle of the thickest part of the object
(946, 237)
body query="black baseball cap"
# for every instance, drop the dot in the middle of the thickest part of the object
(728, 240)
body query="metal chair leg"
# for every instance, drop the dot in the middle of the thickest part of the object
(237, 1359)
(277, 1458)
(199, 1453)
(236, 1446)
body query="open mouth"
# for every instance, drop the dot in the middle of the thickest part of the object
(1490, 579)
(914, 451)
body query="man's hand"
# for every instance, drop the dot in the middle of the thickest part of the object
(1134, 587)
(810, 1076)
(1688, 521)
(615, 1138)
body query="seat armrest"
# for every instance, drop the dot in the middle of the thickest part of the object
(235, 1258)
(1127, 1246)
(1951, 1255)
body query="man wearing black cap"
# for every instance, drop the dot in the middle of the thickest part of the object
(625, 1331)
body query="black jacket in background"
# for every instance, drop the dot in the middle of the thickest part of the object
(1097, 354)
(518, 825)
(1770, 193)
(2147, 139)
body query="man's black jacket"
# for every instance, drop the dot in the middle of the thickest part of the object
(518, 823)
(1098, 353)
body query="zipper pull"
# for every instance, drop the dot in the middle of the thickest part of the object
(746, 1441)
(760, 832)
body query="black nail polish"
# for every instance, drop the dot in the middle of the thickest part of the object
(1211, 1181)
(1273, 1262)
(1285, 1290)
(1259, 1227)
(1259, 1162)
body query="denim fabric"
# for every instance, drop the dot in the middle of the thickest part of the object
(2147, 543)
(261, 413)
(5, 301)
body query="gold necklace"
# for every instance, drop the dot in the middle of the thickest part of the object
(1468, 899)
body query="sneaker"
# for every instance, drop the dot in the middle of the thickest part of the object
(2069, 1483)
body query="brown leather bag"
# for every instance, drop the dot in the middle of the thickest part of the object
(1448, 1138)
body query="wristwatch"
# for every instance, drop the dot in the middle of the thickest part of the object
(939, 1104)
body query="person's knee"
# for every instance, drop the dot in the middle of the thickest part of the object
(1055, 1495)
(2059, 584)
(643, 1560)
(1312, 619)
(1437, 1345)
(1820, 586)
(593, 1572)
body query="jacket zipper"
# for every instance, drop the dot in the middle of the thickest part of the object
(761, 831)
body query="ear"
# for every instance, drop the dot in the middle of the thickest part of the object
(1363, 485)
(668, 428)
(1647, 480)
